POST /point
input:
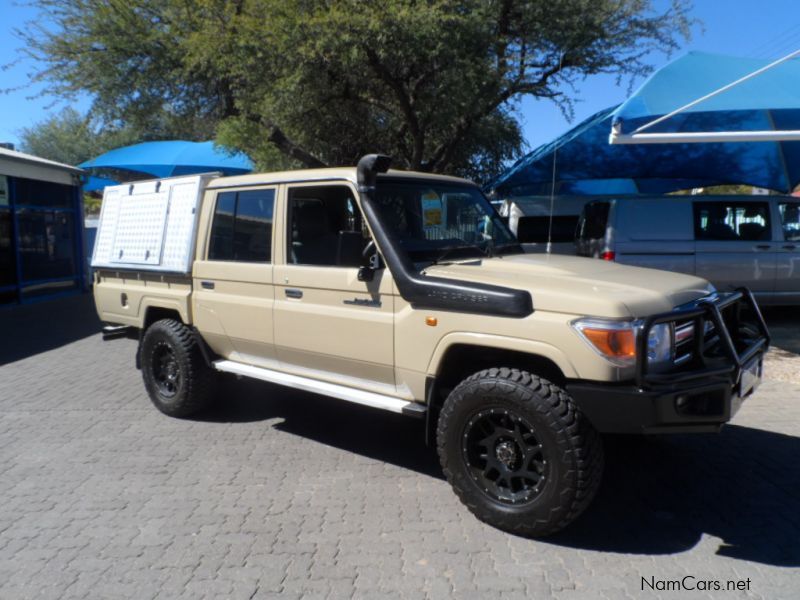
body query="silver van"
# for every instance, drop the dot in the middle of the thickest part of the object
(732, 241)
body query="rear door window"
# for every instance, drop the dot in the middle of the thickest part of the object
(594, 221)
(242, 226)
(732, 221)
(538, 229)
(790, 220)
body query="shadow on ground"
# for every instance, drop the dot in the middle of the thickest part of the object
(784, 327)
(380, 435)
(659, 495)
(30, 329)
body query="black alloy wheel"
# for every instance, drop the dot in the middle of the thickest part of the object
(504, 455)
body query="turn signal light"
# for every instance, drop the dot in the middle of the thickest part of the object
(616, 343)
(431, 321)
(614, 340)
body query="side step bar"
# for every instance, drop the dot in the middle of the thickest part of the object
(396, 405)
(112, 332)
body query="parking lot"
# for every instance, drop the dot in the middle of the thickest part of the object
(276, 493)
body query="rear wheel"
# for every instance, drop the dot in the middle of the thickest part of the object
(177, 378)
(518, 452)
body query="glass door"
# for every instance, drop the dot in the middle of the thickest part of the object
(8, 263)
(47, 235)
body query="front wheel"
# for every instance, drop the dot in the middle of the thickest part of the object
(518, 452)
(177, 378)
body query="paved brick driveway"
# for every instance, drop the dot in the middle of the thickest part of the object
(281, 494)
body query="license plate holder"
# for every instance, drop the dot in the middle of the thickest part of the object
(750, 378)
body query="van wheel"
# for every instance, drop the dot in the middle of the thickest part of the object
(518, 452)
(176, 376)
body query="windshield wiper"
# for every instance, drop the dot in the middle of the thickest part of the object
(487, 252)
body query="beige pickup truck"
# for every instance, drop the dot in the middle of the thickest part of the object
(406, 292)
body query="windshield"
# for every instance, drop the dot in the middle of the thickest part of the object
(436, 220)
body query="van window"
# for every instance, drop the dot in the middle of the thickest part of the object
(535, 229)
(656, 219)
(732, 221)
(242, 226)
(594, 221)
(790, 220)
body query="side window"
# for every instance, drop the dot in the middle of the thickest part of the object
(325, 227)
(732, 221)
(592, 225)
(790, 220)
(221, 247)
(537, 229)
(242, 226)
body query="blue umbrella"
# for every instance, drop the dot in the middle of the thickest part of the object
(97, 184)
(170, 158)
(586, 163)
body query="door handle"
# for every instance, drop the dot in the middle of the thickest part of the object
(207, 285)
(789, 247)
(293, 293)
(763, 246)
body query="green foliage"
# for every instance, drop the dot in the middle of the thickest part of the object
(71, 138)
(723, 190)
(312, 82)
(92, 204)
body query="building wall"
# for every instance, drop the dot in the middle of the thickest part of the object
(41, 248)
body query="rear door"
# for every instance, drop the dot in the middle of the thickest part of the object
(328, 324)
(787, 284)
(233, 291)
(734, 244)
(655, 233)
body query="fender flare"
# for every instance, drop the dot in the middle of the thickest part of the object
(526, 346)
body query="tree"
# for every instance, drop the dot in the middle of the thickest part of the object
(71, 138)
(313, 82)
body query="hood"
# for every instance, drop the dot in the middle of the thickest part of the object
(581, 286)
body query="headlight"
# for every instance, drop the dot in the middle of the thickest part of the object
(616, 341)
(660, 345)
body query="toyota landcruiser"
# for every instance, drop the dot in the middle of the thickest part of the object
(407, 292)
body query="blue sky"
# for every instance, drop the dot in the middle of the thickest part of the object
(751, 28)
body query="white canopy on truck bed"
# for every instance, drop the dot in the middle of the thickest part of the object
(150, 225)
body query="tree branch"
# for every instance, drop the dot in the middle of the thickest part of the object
(276, 135)
(444, 153)
(406, 107)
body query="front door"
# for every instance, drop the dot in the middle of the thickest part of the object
(787, 285)
(734, 244)
(327, 321)
(232, 291)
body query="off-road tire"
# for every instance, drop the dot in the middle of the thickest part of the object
(570, 449)
(194, 384)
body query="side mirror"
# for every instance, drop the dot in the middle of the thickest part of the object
(372, 262)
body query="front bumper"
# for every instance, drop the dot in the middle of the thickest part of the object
(683, 408)
(703, 395)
